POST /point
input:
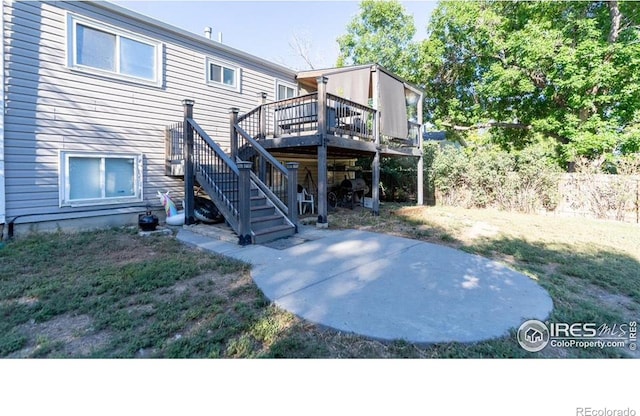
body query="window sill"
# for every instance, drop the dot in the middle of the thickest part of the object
(112, 76)
(225, 86)
(102, 202)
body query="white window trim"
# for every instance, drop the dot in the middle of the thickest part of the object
(72, 61)
(238, 71)
(286, 84)
(64, 185)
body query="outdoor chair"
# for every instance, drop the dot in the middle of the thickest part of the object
(304, 199)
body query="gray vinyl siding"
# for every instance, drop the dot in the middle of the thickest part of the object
(52, 108)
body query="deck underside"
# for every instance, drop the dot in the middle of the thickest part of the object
(337, 146)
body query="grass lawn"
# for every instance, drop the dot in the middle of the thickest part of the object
(115, 294)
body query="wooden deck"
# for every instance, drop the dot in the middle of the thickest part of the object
(347, 128)
(319, 125)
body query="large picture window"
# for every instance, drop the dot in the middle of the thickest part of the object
(98, 179)
(96, 47)
(223, 74)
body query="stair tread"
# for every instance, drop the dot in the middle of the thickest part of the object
(274, 229)
(267, 222)
(258, 207)
(266, 218)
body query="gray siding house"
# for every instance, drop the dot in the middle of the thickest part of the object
(99, 115)
(89, 88)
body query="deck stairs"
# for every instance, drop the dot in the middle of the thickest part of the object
(221, 178)
(268, 223)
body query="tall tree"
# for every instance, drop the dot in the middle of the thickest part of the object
(566, 70)
(381, 33)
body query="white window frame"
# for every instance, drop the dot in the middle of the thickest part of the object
(285, 84)
(237, 70)
(72, 59)
(65, 187)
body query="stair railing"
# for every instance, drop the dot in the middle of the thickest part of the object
(226, 182)
(277, 182)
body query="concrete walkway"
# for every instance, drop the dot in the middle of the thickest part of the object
(388, 287)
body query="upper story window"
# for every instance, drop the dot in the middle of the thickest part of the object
(285, 90)
(96, 47)
(223, 74)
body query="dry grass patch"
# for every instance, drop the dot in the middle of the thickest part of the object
(114, 294)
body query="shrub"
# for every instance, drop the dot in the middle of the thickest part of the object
(593, 189)
(483, 177)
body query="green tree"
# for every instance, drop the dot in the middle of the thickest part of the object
(524, 70)
(381, 33)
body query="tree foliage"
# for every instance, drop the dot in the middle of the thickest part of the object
(568, 70)
(381, 33)
(521, 71)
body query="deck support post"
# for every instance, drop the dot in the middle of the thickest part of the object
(375, 183)
(262, 128)
(375, 166)
(233, 142)
(292, 192)
(189, 174)
(420, 186)
(421, 160)
(323, 221)
(261, 166)
(244, 203)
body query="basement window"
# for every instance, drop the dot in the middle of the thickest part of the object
(93, 179)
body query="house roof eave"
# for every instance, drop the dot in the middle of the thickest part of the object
(315, 73)
(209, 43)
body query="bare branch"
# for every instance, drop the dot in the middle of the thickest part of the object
(518, 126)
(616, 17)
(301, 46)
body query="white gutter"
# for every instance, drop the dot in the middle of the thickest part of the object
(2, 191)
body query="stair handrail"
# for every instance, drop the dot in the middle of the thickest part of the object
(229, 208)
(214, 146)
(282, 206)
(261, 150)
(270, 195)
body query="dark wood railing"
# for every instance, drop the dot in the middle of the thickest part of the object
(291, 117)
(414, 134)
(299, 116)
(274, 179)
(174, 162)
(217, 174)
(348, 118)
(227, 178)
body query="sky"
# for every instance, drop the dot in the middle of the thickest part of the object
(266, 28)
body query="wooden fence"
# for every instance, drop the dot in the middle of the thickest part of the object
(614, 197)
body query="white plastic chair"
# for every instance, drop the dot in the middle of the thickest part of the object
(304, 199)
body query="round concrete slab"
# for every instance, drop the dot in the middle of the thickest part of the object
(389, 287)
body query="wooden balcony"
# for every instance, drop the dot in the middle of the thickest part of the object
(299, 125)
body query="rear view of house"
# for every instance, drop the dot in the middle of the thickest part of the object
(89, 90)
(99, 116)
